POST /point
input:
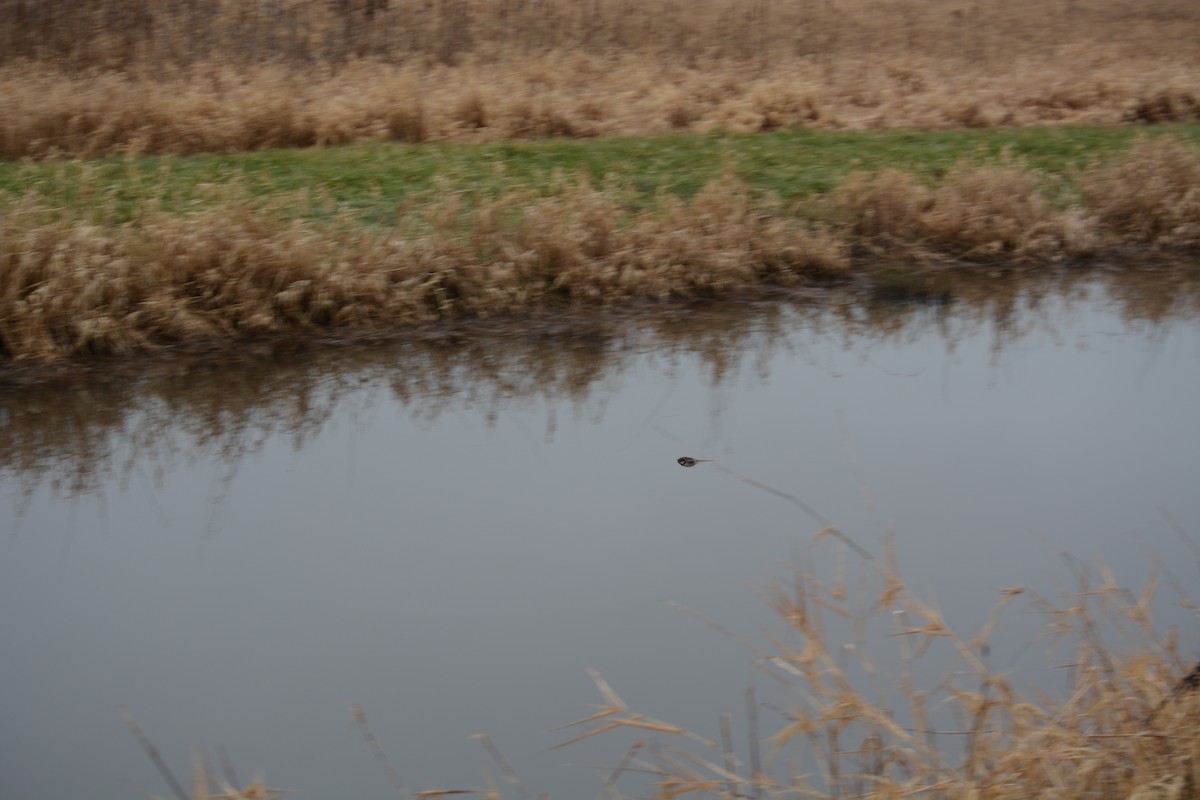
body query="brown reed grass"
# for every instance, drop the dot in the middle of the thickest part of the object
(1153, 196)
(975, 213)
(74, 289)
(159, 76)
(1128, 726)
(81, 285)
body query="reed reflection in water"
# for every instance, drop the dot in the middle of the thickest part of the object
(450, 530)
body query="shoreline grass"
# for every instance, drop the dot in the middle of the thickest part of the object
(122, 257)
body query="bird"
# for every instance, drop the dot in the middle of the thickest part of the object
(688, 461)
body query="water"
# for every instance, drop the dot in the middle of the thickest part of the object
(452, 532)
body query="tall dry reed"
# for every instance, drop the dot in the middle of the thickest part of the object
(868, 724)
(877, 726)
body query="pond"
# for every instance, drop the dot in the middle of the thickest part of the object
(451, 530)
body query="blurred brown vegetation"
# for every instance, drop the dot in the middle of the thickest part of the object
(133, 76)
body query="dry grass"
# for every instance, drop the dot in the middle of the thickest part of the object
(979, 212)
(903, 724)
(134, 76)
(1149, 196)
(1153, 197)
(77, 285)
(1128, 726)
(75, 289)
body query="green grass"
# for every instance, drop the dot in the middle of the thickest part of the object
(368, 181)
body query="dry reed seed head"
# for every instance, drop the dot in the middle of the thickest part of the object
(1091, 743)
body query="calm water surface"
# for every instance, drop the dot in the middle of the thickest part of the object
(450, 533)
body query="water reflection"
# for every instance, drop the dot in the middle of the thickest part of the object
(73, 438)
(450, 529)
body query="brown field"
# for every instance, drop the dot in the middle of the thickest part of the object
(138, 76)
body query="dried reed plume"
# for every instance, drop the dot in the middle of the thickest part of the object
(204, 778)
(1128, 727)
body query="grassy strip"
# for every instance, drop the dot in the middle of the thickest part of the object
(119, 258)
(368, 180)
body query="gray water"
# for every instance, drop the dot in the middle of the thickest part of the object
(451, 532)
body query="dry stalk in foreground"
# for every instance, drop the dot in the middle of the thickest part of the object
(1128, 728)
(204, 778)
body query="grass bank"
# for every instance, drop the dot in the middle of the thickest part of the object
(368, 180)
(117, 257)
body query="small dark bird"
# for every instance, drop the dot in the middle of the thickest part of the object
(688, 461)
